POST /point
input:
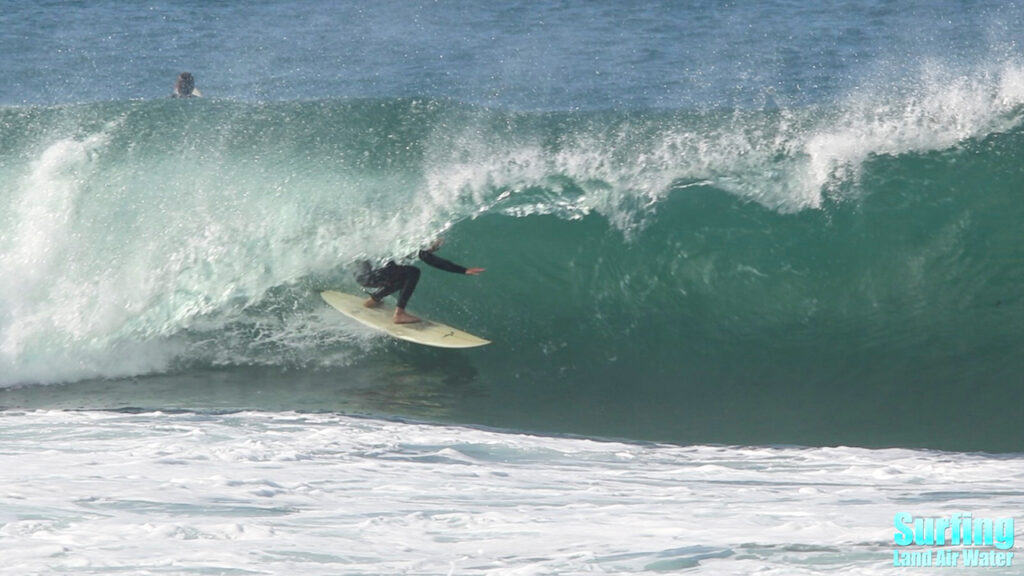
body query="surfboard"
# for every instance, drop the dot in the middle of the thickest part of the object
(426, 332)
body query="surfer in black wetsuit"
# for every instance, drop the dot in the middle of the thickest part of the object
(393, 278)
(185, 86)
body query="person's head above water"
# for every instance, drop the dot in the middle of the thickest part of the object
(185, 86)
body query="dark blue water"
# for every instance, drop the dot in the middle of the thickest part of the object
(779, 223)
(561, 55)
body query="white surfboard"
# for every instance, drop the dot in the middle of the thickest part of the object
(424, 332)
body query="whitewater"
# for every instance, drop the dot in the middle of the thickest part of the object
(752, 282)
(285, 493)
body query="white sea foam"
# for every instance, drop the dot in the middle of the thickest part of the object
(110, 257)
(49, 297)
(789, 159)
(95, 493)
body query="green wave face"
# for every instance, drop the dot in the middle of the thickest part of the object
(804, 276)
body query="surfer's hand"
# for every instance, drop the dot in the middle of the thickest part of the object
(474, 271)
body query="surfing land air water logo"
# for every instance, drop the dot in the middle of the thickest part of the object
(957, 540)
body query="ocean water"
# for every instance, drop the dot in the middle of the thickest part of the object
(752, 280)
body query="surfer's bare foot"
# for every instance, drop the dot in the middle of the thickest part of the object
(371, 303)
(403, 317)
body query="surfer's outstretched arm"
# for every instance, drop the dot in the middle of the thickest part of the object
(429, 257)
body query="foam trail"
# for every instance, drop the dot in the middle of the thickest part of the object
(286, 493)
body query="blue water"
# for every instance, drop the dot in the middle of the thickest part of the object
(779, 224)
(773, 249)
(525, 55)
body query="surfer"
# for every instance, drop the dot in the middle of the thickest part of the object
(402, 278)
(185, 86)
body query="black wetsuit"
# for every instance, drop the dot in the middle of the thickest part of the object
(394, 277)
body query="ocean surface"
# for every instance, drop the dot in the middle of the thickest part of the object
(753, 280)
